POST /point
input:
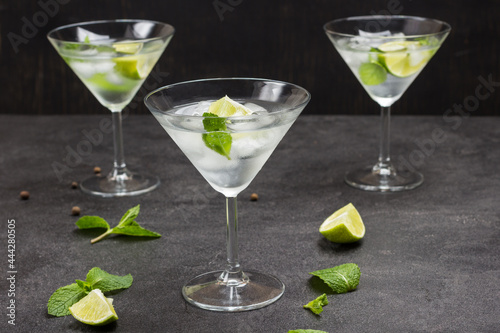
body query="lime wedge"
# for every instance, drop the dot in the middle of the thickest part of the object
(133, 67)
(94, 309)
(226, 107)
(343, 226)
(404, 58)
(372, 73)
(127, 47)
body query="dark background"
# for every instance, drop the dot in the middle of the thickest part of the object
(281, 40)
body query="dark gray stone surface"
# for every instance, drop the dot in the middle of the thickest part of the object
(430, 259)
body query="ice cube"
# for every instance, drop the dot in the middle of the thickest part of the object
(114, 78)
(84, 69)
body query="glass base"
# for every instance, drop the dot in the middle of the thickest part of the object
(211, 291)
(383, 179)
(124, 184)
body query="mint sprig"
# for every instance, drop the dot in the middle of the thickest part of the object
(66, 296)
(217, 139)
(341, 279)
(127, 225)
(316, 305)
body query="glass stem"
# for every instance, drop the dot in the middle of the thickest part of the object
(232, 275)
(384, 165)
(119, 167)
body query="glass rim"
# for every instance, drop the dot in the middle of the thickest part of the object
(88, 23)
(252, 116)
(447, 28)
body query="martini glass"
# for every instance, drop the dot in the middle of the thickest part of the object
(113, 58)
(248, 142)
(386, 53)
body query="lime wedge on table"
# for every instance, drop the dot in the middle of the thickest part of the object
(133, 67)
(127, 47)
(226, 107)
(343, 226)
(94, 309)
(403, 58)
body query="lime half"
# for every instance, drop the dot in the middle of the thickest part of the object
(94, 309)
(403, 58)
(343, 226)
(226, 107)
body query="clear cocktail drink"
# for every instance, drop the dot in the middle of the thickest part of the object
(111, 69)
(252, 142)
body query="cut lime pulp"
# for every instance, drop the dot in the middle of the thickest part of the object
(226, 107)
(94, 309)
(403, 58)
(343, 226)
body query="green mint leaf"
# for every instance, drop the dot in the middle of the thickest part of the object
(316, 305)
(87, 39)
(341, 279)
(63, 298)
(84, 285)
(306, 331)
(134, 229)
(127, 225)
(89, 222)
(129, 216)
(218, 140)
(100, 279)
(213, 123)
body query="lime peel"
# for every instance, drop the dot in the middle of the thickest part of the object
(127, 47)
(133, 67)
(372, 73)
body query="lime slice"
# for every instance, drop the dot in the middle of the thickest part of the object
(94, 309)
(226, 107)
(403, 59)
(343, 226)
(133, 67)
(372, 73)
(127, 47)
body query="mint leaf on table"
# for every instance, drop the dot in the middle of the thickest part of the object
(90, 222)
(66, 296)
(127, 225)
(316, 305)
(104, 281)
(134, 229)
(129, 216)
(341, 279)
(217, 139)
(306, 331)
(63, 298)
